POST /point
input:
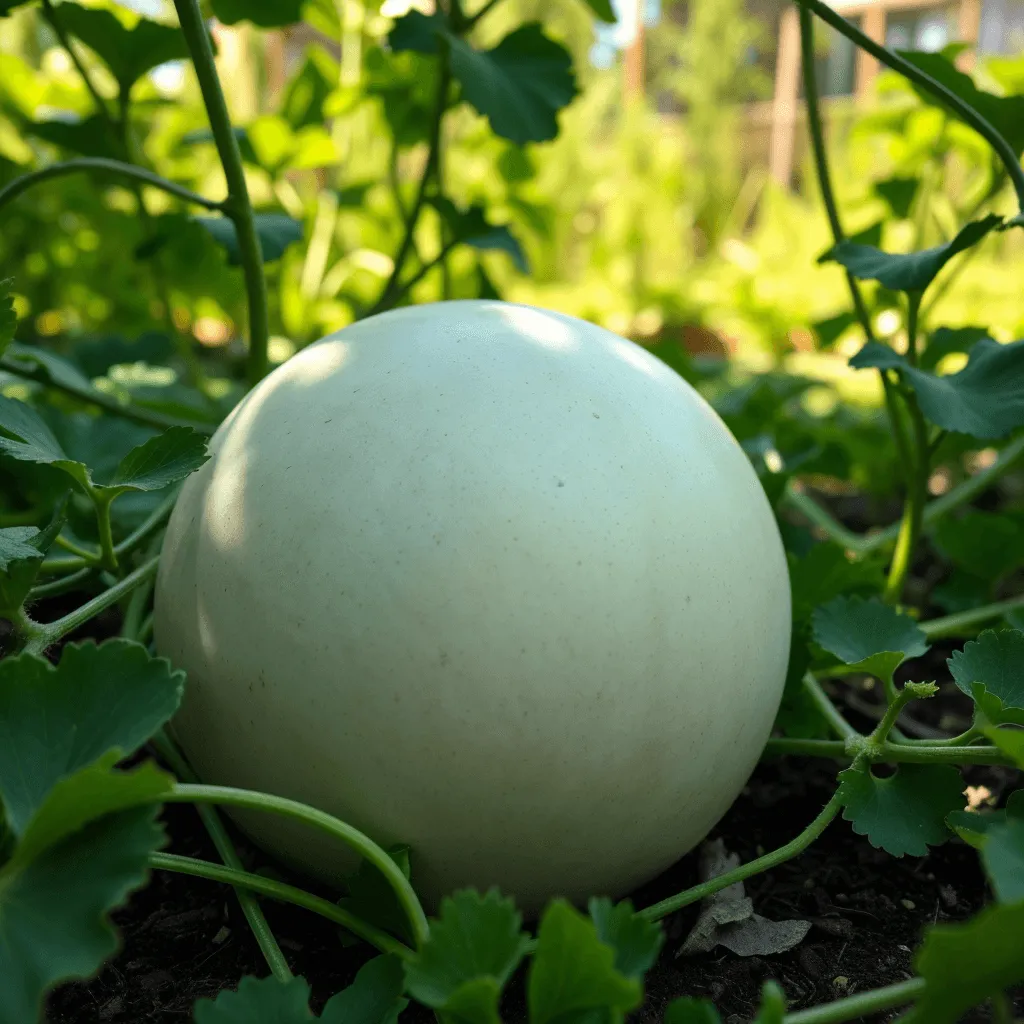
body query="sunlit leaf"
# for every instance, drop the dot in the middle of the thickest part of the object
(985, 399)
(309, 87)
(908, 272)
(906, 812)
(162, 460)
(829, 331)
(417, 32)
(519, 85)
(602, 9)
(471, 227)
(898, 193)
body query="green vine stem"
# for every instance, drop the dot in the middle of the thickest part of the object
(98, 399)
(840, 726)
(138, 536)
(226, 848)
(61, 585)
(857, 1006)
(770, 860)
(102, 500)
(322, 822)
(41, 635)
(392, 292)
(238, 205)
(891, 753)
(243, 880)
(962, 623)
(111, 168)
(914, 74)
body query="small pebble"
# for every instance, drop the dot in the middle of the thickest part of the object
(908, 904)
(808, 883)
(841, 897)
(221, 935)
(841, 982)
(948, 896)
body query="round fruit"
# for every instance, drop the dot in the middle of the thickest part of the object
(483, 579)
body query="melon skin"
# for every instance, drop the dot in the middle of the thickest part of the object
(483, 579)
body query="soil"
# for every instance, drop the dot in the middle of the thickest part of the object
(185, 938)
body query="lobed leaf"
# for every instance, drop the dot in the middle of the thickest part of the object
(636, 941)
(984, 544)
(868, 635)
(474, 946)
(21, 557)
(374, 997)
(56, 720)
(990, 670)
(160, 461)
(907, 272)
(906, 812)
(25, 436)
(573, 972)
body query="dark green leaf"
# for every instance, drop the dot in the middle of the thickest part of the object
(53, 909)
(6, 6)
(264, 13)
(474, 947)
(276, 231)
(417, 32)
(129, 53)
(825, 573)
(963, 964)
(1002, 852)
(898, 193)
(374, 997)
(55, 720)
(984, 544)
(636, 940)
(993, 666)
(946, 340)
(25, 437)
(8, 318)
(906, 812)
(1004, 113)
(470, 227)
(691, 1011)
(21, 556)
(871, 235)
(985, 399)
(908, 272)
(50, 366)
(828, 332)
(520, 85)
(372, 897)
(96, 355)
(1009, 741)
(867, 634)
(162, 460)
(258, 1001)
(574, 972)
(603, 9)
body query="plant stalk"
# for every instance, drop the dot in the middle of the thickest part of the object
(238, 205)
(857, 1006)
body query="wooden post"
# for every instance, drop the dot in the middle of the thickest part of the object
(867, 67)
(785, 103)
(634, 63)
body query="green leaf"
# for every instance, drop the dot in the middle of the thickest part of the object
(636, 940)
(773, 1004)
(276, 231)
(898, 193)
(603, 9)
(983, 544)
(374, 997)
(372, 897)
(303, 102)
(963, 964)
(947, 340)
(867, 634)
(258, 1001)
(26, 437)
(8, 318)
(162, 460)
(828, 332)
(691, 1011)
(417, 32)
(474, 946)
(129, 53)
(263, 13)
(906, 812)
(53, 909)
(1002, 852)
(1004, 113)
(907, 272)
(993, 665)
(6, 6)
(470, 227)
(21, 556)
(51, 367)
(985, 399)
(520, 85)
(89, 136)
(56, 720)
(825, 573)
(1009, 741)
(574, 972)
